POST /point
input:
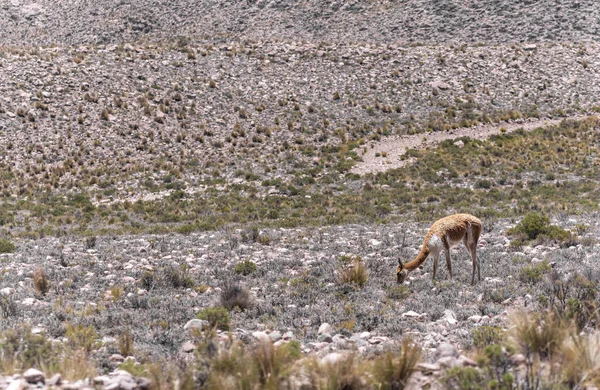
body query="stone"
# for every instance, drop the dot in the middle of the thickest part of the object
(34, 376)
(115, 357)
(450, 317)
(445, 350)
(18, 384)
(325, 328)
(261, 336)
(325, 338)
(188, 347)
(7, 291)
(54, 381)
(440, 85)
(465, 361)
(428, 368)
(275, 336)
(411, 314)
(196, 324)
(332, 358)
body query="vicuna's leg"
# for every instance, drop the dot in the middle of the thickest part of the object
(436, 257)
(470, 241)
(448, 260)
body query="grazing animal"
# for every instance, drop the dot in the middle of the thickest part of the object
(443, 235)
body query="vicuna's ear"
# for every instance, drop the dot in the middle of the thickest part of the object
(400, 264)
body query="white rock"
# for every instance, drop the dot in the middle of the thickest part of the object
(261, 336)
(450, 317)
(34, 376)
(7, 291)
(332, 358)
(196, 323)
(325, 328)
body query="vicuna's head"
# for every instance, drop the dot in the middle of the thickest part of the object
(401, 272)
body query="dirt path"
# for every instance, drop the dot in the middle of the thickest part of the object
(394, 147)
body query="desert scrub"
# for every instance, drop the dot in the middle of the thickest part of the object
(234, 296)
(535, 225)
(532, 274)
(354, 274)
(245, 267)
(40, 282)
(487, 335)
(218, 317)
(393, 370)
(6, 246)
(398, 292)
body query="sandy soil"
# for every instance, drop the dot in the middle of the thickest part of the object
(394, 147)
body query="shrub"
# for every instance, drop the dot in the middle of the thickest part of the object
(355, 275)
(541, 334)
(126, 343)
(533, 273)
(398, 292)
(81, 337)
(20, 349)
(235, 296)
(393, 371)
(217, 317)
(6, 246)
(147, 280)
(40, 282)
(245, 267)
(532, 225)
(465, 378)
(176, 277)
(487, 335)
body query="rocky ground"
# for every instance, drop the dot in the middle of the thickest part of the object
(295, 292)
(43, 22)
(256, 130)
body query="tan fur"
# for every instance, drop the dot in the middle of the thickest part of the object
(444, 234)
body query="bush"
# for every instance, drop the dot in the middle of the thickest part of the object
(533, 273)
(532, 225)
(245, 267)
(356, 274)
(176, 277)
(20, 349)
(235, 296)
(487, 335)
(398, 292)
(6, 246)
(535, 225)
(541, 334)
(40, 282)
(81, 337)
(393, 371)
(467, 378)
(217, 317)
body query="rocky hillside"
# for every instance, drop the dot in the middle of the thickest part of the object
(45, 22)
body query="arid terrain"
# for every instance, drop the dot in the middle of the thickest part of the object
(215, 195)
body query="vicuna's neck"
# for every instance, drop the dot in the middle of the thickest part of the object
(420, 259)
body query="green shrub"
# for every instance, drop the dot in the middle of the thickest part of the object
(533, 273)
(398, 292)
(487, 335)
(464, 378)
(217, 317)
(6, 246)
(532, 225)
(81, 337)
(245, 267)
(19, 348)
